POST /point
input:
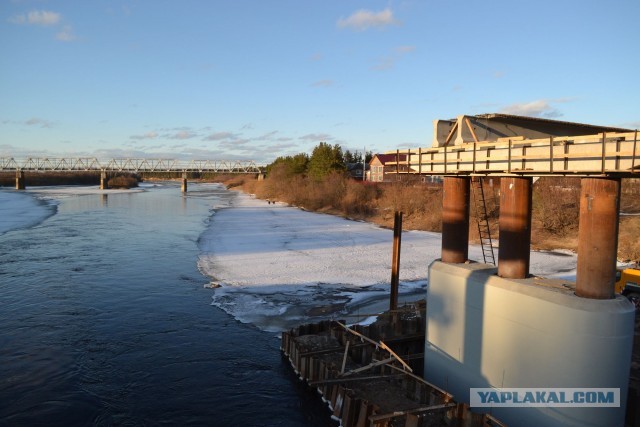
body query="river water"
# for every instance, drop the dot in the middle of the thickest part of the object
(104, 320)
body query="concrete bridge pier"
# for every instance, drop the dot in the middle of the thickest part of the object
(20, 184)
(184, 182)
(598, 237)
(104, 182)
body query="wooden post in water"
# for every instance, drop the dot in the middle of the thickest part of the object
(395, 261)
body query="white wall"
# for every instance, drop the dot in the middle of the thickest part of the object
(485, 331)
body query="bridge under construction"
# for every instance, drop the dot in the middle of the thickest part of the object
(500, 326)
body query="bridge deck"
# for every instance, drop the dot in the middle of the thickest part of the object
(612, 154)
(69, 164)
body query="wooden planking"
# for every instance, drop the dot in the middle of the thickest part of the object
(606, 153)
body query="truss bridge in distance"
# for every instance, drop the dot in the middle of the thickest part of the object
(77, 164)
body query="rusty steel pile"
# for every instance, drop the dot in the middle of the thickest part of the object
(371, 375)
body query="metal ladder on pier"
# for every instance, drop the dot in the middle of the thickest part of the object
(483, 221)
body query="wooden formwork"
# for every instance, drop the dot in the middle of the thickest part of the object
(364, 381)
(600, 154)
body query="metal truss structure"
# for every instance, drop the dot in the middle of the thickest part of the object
(69, 164)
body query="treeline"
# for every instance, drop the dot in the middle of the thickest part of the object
(320, 182)
(325, 159)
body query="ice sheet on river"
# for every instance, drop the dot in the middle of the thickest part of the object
(280, 266)
(21, 210)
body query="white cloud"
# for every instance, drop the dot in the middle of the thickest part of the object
(385, 63)
(66, 34)
(268, 135)
(388, 62)
(219, 136)
(35, 121)
(405, 49)
(631, 125)
(323, 83)
(316, 137)
(148, 135)
(37, 17)
(538, 108)
(364, 19)
(181, 135)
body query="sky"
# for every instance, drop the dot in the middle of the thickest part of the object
(258, 79)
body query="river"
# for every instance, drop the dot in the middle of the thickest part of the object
(104, 319)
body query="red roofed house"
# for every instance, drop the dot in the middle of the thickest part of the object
(383, 168)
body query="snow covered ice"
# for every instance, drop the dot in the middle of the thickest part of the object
(280, 266)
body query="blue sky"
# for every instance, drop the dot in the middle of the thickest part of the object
(255, 79)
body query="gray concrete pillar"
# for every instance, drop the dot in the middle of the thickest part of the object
(20, 183)
(104, 182)
(184, 182)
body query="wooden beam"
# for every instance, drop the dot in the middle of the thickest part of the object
(319, 352)
(633, 159)
(386, 347)
(473, 134)
(358, 334)
(451, 132)
(344, 358)
(355, 379)
(377, 344)
(430, 409)
(369, 366)
(423, 381)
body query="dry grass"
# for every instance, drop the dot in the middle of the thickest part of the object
(629, 239)
(556, 205)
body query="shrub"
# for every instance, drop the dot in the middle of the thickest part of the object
(556, 204)
(123, 181)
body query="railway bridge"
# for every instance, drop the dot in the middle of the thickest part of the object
(134, 165)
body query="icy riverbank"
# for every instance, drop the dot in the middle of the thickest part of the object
(279, 266)
(21, 210)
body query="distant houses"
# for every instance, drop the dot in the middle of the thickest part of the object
(386, 168)
(393, 168)
(357, 170)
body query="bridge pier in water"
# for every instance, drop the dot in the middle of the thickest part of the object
(20, 184)
(104, 182)
(184, 182)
